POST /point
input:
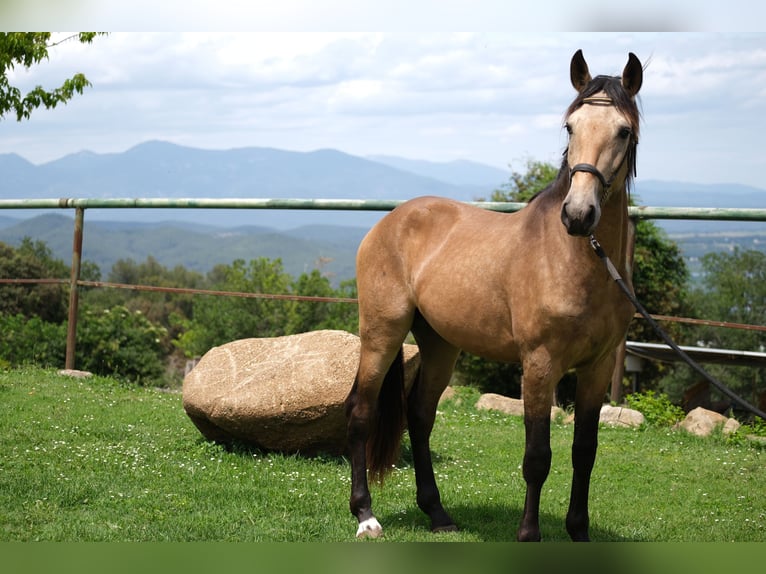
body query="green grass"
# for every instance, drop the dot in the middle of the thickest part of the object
(94, 460)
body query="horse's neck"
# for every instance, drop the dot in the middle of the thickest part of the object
(612, 231)
(614, 228)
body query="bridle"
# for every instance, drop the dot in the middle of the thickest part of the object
(606, 184)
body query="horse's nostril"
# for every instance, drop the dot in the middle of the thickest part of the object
(579, 224)
(590, 219)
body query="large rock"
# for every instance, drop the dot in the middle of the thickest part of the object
(509, 406)
(702, 422)
(281, 393)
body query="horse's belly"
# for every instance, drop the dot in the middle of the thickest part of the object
(478, 332)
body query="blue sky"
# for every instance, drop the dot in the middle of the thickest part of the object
(491, 97)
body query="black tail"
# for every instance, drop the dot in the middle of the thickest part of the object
(384, 443)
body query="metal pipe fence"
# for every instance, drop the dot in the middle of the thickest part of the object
(81, 204)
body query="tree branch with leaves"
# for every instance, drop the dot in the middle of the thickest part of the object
(27, 49)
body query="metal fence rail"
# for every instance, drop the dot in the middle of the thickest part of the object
(637, 212)
(79, 205)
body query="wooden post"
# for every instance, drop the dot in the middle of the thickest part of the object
(74, 295)
(615, 394)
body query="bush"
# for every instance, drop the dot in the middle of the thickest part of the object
(656, 408)
(489, 376)
(31, 341)
(120, 343)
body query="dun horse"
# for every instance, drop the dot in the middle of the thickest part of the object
(522, 287)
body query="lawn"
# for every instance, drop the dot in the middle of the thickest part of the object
(86, 460)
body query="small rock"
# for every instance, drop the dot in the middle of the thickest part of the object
(509, 406)
(75, 373)
(702, 422)
(621, 417)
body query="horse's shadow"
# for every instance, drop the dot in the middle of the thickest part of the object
(490, 522)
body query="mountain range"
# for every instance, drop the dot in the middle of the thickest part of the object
(161, 169)
(194, 238)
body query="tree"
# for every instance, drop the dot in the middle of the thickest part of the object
(218, 320)
(33, 260)
(312, 315)
(733, 290)
(27, 49)
(522, 186)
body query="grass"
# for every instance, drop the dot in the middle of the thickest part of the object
(94, 460)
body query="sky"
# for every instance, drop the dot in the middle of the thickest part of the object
(492, 97)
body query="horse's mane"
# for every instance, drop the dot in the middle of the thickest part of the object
(612, 87)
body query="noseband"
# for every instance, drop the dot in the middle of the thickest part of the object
(588, 168)
(592, 169)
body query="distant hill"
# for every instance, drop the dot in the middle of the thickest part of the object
(458, 172)
(197, 247)
(161, 169)
(199, 239)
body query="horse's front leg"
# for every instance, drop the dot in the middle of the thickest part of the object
(591, 389)
(538, 382)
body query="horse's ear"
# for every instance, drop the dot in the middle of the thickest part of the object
(578, 71)
(632, 75)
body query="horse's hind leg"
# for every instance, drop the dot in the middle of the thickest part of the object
(361, 407)
(437, 361)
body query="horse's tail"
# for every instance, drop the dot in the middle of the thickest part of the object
(384, 443)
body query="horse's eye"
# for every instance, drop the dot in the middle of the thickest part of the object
(624, 133)
(569, 129)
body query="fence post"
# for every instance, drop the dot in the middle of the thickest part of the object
(615, 391)
(74, 294)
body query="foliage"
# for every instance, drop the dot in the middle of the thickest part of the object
(27, 49)
(218, 320)
(313, 316)
(523, 186)
(120, 343)
(656, 408)
(660, 277)
(31, 340)
(93, 460)
(733, 289)
(489, 376)
(33, 260)
(167, 309)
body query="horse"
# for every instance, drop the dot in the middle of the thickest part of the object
(520, 287)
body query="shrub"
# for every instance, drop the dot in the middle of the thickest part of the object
(31, 341)
(656, 408)
(121, 343)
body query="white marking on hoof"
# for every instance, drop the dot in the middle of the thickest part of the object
(369, 528)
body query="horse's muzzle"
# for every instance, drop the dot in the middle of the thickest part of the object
(580, 224)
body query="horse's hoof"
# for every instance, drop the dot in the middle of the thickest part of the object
(369, 528)
(446, 528)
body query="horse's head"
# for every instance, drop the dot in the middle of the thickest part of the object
(603, 132)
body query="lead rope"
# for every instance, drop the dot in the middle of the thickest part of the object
(665, 337)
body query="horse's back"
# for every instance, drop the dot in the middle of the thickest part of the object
(436, 256)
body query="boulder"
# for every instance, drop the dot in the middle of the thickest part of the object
(702, 422)
(620, 416)
(281, 393)
(509, 406)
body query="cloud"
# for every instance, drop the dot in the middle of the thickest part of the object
(490, 97)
